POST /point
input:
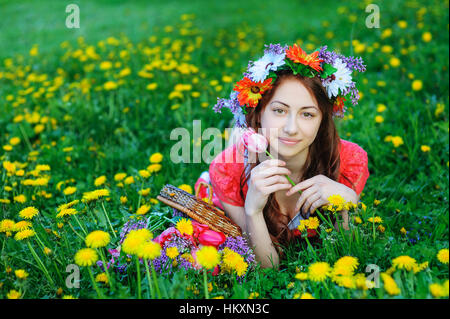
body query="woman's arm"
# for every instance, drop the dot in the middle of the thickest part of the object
(255, 229)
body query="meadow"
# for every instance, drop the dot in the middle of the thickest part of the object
(85, 120)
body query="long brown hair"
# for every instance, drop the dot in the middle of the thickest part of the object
(323, 156)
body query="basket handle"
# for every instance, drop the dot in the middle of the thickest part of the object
(197, 190)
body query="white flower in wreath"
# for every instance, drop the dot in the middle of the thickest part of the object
(340, 80)
(261, 68)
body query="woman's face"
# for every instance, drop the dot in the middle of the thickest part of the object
(291, 114)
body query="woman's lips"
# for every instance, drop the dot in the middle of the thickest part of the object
(288, 142)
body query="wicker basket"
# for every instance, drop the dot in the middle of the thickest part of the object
(199, 210)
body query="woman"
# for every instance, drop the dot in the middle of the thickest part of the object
(295, 114)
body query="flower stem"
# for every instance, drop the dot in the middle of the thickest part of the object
(148, 279)
(309, 245)
(109, 222)
(158, 292)
(26, 137)
(289, 179)
(99, 294)
(76, 233)
(40, 263)
(105, 265)
(205, 285)
(78, 221)
(138, 277)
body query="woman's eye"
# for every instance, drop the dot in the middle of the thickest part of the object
(306, 114)
(279, 111)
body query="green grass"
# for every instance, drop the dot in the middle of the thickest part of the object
(409, 183)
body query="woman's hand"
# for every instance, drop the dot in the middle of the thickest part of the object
(316, 190)
(265, 179)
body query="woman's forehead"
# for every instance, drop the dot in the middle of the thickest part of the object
(294, 94)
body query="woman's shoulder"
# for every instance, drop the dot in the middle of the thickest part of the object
(225, 173)
(354, 165)
(351, 151)
(232, 155)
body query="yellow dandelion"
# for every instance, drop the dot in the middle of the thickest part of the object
(425, 148)
(134, 239)
(143, 210)
(184, 226)
(307, 295)
(13, 294)
(346, 265)
(389, 284)
(144, 173)
(21, 225)
(100, 180)
(404, 262)
(313, 223)
(149, 250)
(129, 180)
(28, 212)
(337, 202)
(172, 252)
(69, 190)
(156, 158)
(153, 168)
(97, 239)
(437, 291)
(20, 198)
(24, 234)
(102, 277)
(86, 257)
(302, 276)
(303, 225)
(186, 188)
(6, 225)
(442, 256)
(426, 36)
(208, 257)
(120, 176)
(21, 273)
(417, 85)
(66, 212)
(319, 271)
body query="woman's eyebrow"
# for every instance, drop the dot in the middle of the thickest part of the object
(303, 107)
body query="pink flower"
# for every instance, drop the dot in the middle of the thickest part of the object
(195, 264)
(166, 235)
(211, 238)
(198, 228)
(255, 142)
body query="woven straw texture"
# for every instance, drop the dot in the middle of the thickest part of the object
(199, 210)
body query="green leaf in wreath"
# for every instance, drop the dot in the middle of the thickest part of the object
(328, 70)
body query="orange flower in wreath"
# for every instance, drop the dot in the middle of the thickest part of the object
(296, 54)
(250, 92)
(338, 105)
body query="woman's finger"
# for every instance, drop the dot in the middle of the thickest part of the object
(276, 179)
(310, 201)
(274, 171)
(304, 196)
(301, 186)
(317, 204)
(276, 187)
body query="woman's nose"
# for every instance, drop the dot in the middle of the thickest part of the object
(290, 126)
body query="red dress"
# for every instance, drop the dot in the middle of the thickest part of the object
(226, 169)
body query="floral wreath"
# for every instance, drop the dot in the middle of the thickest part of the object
(333, 69)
